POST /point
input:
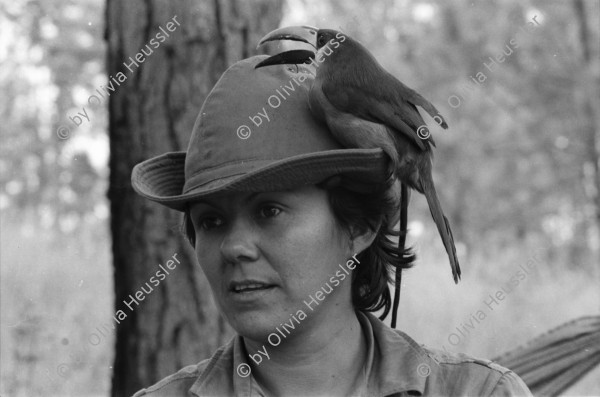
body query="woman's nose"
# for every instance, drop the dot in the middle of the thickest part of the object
(239, 242)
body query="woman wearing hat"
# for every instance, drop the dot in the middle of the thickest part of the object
(293, 233)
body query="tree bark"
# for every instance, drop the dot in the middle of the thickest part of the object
(588, 106)
(152, 112)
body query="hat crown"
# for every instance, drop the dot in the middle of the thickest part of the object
(287, 147)
(251, 118)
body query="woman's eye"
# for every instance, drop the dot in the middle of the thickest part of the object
(269, 211)
(210, 222)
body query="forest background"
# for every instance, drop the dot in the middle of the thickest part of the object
(517, 173)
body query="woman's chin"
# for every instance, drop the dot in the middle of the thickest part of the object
(255, 326)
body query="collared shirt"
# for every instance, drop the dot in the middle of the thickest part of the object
(396, 366)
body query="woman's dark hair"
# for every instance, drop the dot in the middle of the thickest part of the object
(360, 206)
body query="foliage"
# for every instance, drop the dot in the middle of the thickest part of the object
(51, 54)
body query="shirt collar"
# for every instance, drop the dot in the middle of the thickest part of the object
(395, 363)
(227, 374)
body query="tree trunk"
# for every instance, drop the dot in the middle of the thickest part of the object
(589, 104)
(152, 111)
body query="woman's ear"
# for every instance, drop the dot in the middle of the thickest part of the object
(360, 240)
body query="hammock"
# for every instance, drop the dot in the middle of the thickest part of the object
(552, 362)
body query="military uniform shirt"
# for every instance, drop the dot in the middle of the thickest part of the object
(396, 366)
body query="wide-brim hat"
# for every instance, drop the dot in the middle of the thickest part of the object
(255, 132)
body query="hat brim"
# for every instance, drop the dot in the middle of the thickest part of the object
(161, 179)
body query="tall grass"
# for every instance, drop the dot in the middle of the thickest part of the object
(463, 317)
(56, 289)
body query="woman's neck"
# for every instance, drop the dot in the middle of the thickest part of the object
(328, 360)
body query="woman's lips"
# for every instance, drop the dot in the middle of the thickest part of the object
(249, 289)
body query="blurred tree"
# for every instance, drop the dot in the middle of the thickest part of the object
(49, 50)
(588, 106)
(177, 324)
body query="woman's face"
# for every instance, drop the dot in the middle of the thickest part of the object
(265, 254)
